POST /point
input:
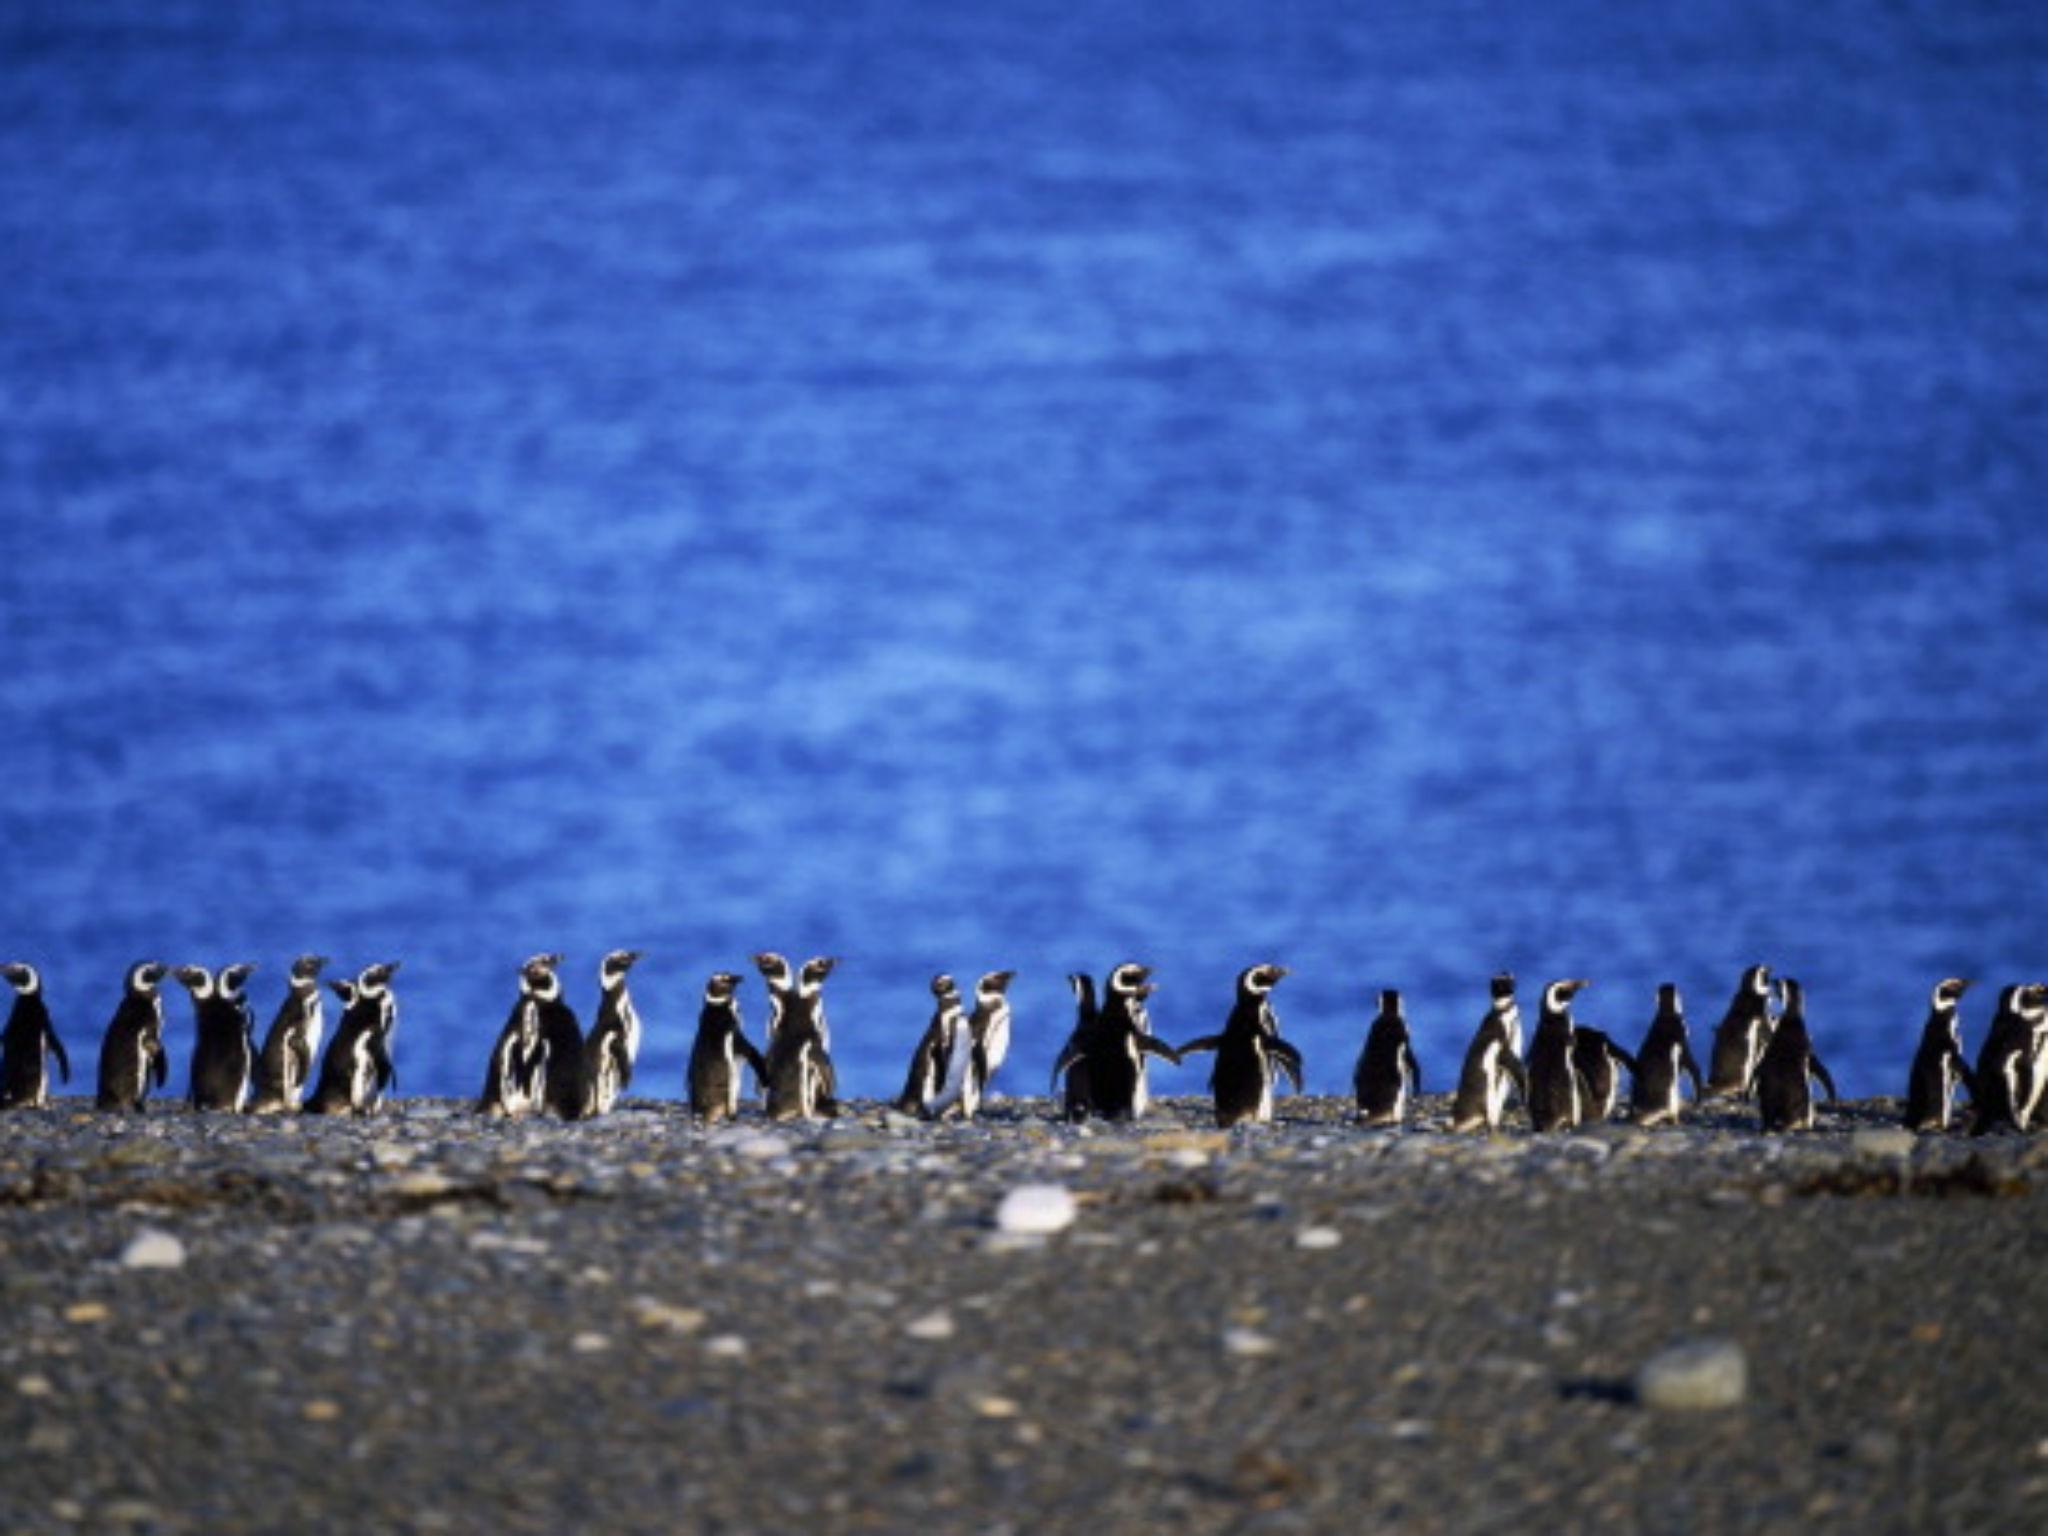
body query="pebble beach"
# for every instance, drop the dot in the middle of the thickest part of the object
(423, 1321)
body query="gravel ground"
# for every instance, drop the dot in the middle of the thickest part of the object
(427, 1322)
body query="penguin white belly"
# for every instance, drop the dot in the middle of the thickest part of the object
(995, 1045)
(1496, 1085)
(732, 1079)
(1141, 1094)
(952, 1084)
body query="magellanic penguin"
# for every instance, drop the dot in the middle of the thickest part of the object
(132, 1055)
(614, 1043)
(1663, 1059)
(720, 1049)
(514, 1080)
(1784, 1091)
(357, 1069)
(801, 1084)
(1121, 1040)
(1558, 1092)
(1070, 1068)
(565, 1078)
(1598, 1059)
(990, 1024)
(1938, 1065)
(225, 1052)
(939, 1067)
(1249, 1051)
(1740, 1037)
(285, 1065)
(2008, 1080)
(1492, 1064)
(27, 1044)
(1387, 1071)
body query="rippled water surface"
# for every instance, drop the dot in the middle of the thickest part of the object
(1028, 486)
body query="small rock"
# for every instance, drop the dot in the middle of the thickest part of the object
(86, 1312)
(1318, 1237)
(1704, 1373)
(33, 1386)
(1247, 1342)
(320, 1410)
(1881, 1144)
(1036, 1209)
(650, 1313)
(933, 1325)
(152, 1249)
(590, 1344)
(759, 1148)
(993, 1407)
(725, 1346)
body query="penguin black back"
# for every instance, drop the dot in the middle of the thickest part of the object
(517, 1070)
(1492, 1063)
(224, 1052)
(132, 1055)
(1557, 1090)
(801, 1082)
(28, 1042)
(1070, 1070)
(1122, 1039)
(1249, 1050)
(719, 1050)
(285, 1064)
(2008, 1075)
(1663, 1060)
(1740, 1037)
(1387, 1071)
(1938, 1066)
(1784, 1091)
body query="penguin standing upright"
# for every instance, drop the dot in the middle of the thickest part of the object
(720, 1047)
(614, 1043)
(1070, 1070)
(990, 1024)
(1122, 1039)
(357, 1067)
(518, 1066)
(1249, 1050)
(939, 1067)
(801, 1083)
(1740, 1037)
(1664, 1055)
(1938, 1065)
(1784, 1092)
(2032, 1006)
(779, 977)
(1558, 1093)
(1492, 1063)
(225, 1052)
(1597, 1058)
(2008, 1080)
(565, 1083)
(132, 1055)
(28, 1042)
(285, 1065)
(1387, 1071)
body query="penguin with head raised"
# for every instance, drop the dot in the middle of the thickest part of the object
(1070, 1069)
(1122, 1039)
(939, 1065)
(1492, 1063)
(285, 1065)
(1740, 1037)
(990, 1025)
(1600, 1062)
(224, 1053)
(1938, 1065)
(565, 1074)
(2008, 1083)
(357, 1068)
(1664, 1056)
(801, 1083)
(614, 1043)
(28, 1042)
(720, 1049)
(132, 1055)
(2032, 1004)
(513, 1082)
(1784, 1088)
(1387, 1072)
(1559, 1097)
(1249, 1051)
(779, 977)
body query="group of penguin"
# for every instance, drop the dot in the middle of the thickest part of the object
(543, 1061)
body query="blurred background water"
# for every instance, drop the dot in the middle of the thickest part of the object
(1401, 490)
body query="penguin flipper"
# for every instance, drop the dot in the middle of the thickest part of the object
(1691, 1069)
(1069, 1057)
(756, 1063)
(1152, 1045)
(1516, 1071)
(1820, 1071)
(159, 1065)
(57, 1050)
(1289, 1059)
(1966, 1077)
(1622, 1056)
(380, 1059)
(1206, 1043)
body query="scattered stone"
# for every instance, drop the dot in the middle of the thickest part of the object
(725, 1346)
(759, 1148)
(1878, 1144)
(1247, 1342)
(1314, 1238)
(153, 1249)
(590, 1344)
(994, 1407)
(422, 1185)
(33, 1386)
(498, 1242)
(87, 1312)
(1036, 1209)
(320, 1410)
(651, 1313)
(933, 1325)
(1700, 1374)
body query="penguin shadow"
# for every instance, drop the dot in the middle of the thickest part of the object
(1617, 1391)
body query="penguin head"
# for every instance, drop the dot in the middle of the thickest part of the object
(721, 987)
(232, 977)
(1559, 994)
(22, 977)
(1668, 1000)
(145, 976)
(1757, 980)
(1949, 991)
(994, 984)
(1258, 980)
(774, 969)
(198, 980)
(306, 971)
(537, 977)
(1129, 976)
(815, 970)
(344, 989)
(373, 979)
(1791, 996)
(943, 986)
(612, 969)
(1082, 985)
(1390, 1002)
(1502, 987)
(2032, 1000)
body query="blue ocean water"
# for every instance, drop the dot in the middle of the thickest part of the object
(1404, 491)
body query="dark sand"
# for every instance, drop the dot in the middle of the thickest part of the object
(424, 1322)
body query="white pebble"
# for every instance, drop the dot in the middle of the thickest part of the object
(933, 1325)
(1318, 1237)
(1706, 1373)
(1247, 1341)
(1036, 1208)
(760, 1148)
(725, 1346)
(152, 1249)
(590, 1343)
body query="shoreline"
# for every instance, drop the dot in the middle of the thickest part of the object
(424, 1320)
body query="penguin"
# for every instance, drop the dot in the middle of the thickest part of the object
(1740, 1037)
(1248, 1051)
(1664, 1055)
(1559, 1096)
(2007, 1083)
(225, 1052)
(990, 1023)
(941, 1066)
(614, 1043)
(285, 1065)
(1492, 1064)
(721, 1046)
(358, 1068)
(28, 1043)
(1070, 1069)
(565, 1082)
(1596, 1056)
(518, 1066)
(780, 979)
(1387, 1071)
(1784, 1091)
(1123, 1038)
(1938, 1065)
(132, 1055)
(2033, 1008)
(800, 1081)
